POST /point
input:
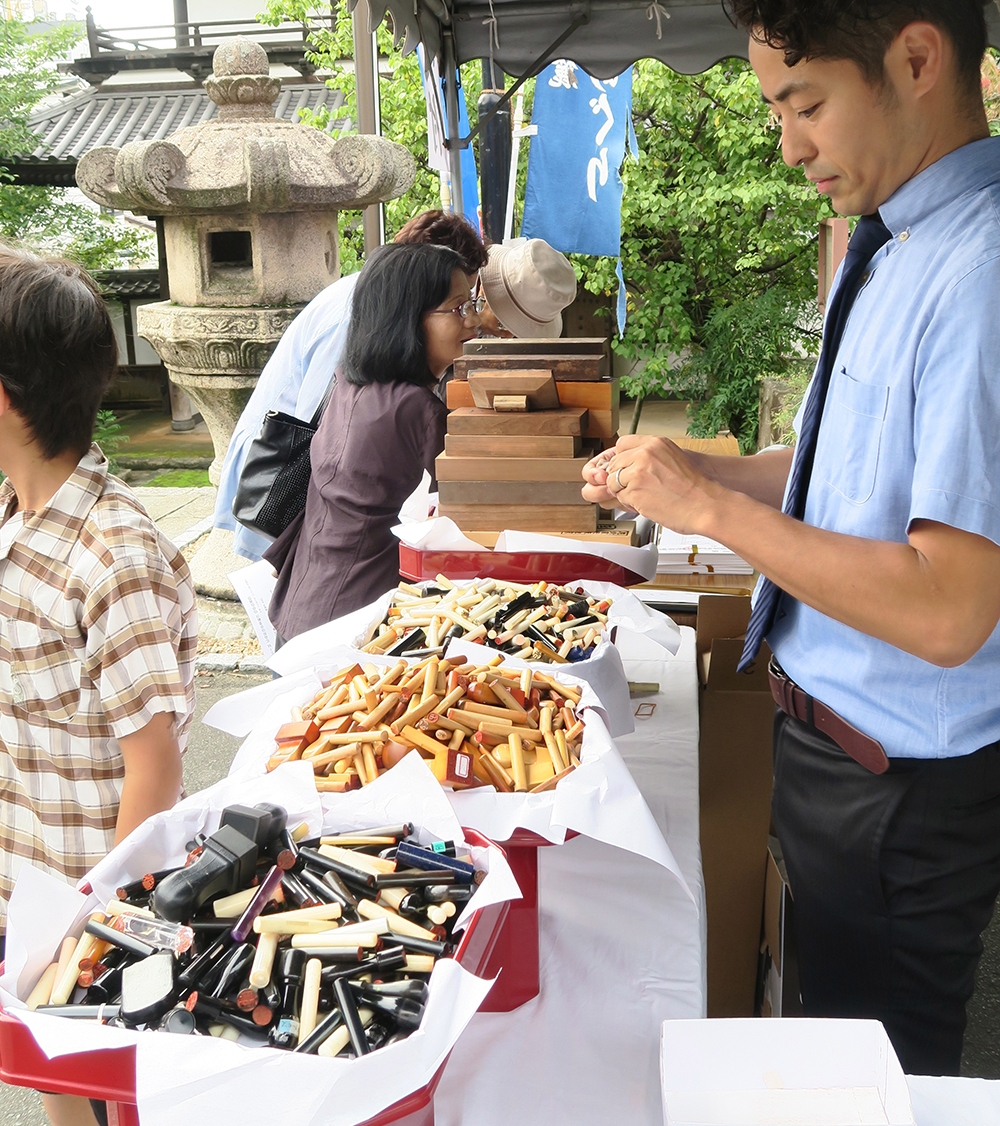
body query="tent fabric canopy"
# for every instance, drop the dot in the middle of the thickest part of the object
(688, 35)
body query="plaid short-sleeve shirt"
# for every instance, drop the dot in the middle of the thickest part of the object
(98, 633)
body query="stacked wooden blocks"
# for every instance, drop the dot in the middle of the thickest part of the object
(526, 416)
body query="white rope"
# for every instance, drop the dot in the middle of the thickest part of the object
(655, 10)
(494, 35)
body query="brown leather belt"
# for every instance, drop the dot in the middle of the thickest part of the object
(794, 701)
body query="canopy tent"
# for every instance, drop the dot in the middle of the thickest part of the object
(606, 37)
(602, 36)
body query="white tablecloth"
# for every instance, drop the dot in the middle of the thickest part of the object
(621, 950)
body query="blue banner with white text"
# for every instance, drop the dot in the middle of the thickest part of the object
(574, 191)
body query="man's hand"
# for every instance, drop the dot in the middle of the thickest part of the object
(762, 476)
(657, 478)
(152, 773)
(595, 473)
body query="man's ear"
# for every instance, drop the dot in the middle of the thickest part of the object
(917, 58)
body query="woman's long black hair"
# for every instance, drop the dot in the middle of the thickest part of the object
(385, 337)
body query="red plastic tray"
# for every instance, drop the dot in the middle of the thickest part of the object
(515, 955)
(109, 1074)
(514, 566)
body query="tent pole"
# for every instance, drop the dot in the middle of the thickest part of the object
(366, 87)
(451, 105)
(494, 153)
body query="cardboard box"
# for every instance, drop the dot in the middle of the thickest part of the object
(778, 993)
(735, 775)
(770, 1072)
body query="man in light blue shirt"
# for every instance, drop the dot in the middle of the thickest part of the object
(295, 381)
(887, 749)
(298, 374)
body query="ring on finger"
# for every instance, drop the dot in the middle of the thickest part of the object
(618, 481)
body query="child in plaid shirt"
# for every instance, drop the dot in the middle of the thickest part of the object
(98, 627)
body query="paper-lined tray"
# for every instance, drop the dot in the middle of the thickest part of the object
(598, 799)
(536, 556)
(626, 613)
(204, 1080)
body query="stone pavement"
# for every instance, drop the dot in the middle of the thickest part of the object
(226, 640)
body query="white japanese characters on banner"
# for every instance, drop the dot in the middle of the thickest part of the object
(574, 192)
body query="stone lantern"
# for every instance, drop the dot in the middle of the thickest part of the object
(249, 207)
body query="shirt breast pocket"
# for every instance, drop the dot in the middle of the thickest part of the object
(853, 422)
(44, 673)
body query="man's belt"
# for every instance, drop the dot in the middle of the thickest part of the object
(795, 702)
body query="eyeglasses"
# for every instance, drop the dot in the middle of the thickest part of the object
(467, 308)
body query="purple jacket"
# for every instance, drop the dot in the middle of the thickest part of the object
(368, 455)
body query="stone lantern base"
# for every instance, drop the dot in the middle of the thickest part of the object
(215, 355)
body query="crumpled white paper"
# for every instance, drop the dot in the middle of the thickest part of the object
(202, 1081)
(439, 534)
(599, 799)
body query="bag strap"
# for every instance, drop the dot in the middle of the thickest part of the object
(322, 406)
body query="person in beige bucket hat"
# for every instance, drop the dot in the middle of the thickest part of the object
(527, 285)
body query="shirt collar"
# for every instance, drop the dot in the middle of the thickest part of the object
(968, 169)
(66, 512)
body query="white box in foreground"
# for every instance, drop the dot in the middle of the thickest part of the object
(795, 1072)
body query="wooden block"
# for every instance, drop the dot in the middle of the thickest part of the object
(725, 447)
(525, 518)
(511, 492)
(564, 346)
(598, 395)
(602, 425)
(538, 387)
(472, 420)
(504, 445)
(451, 468)
(580, 368)
(510, 403)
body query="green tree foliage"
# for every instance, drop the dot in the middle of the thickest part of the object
(719, 241)
(404, 117)
(42, 218)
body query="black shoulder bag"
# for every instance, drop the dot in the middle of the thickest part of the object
(275, 478)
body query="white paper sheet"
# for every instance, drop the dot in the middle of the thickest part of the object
(439, 534)
(310, 648)
(202, 1081)
(417, 505)
(641, 560)
(255, 585)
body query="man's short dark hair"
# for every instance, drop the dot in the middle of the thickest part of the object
(862, 30)
(385, 337)
(57, 349)
(445, 228)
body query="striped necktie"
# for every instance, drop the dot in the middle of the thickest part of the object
(869, 236)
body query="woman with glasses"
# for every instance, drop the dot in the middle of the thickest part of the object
(382, 427)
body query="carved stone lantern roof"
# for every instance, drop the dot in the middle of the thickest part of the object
(245, 160)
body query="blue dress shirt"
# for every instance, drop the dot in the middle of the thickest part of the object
(911, 431)
(294, 381)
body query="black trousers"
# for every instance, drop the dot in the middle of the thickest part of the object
(894, 879)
